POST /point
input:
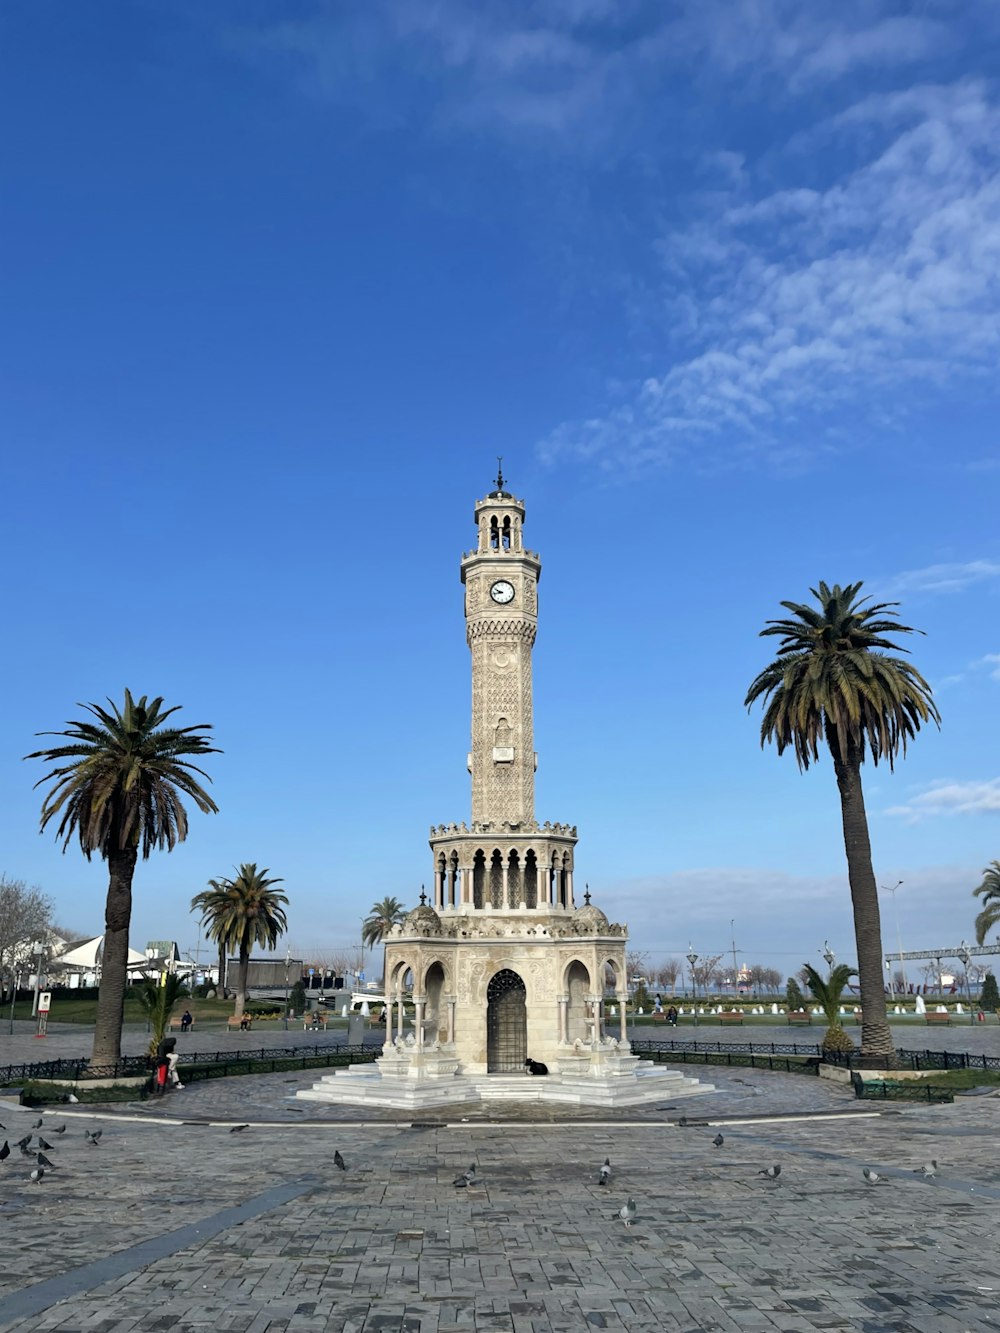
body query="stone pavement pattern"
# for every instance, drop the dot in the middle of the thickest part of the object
(390, 1244)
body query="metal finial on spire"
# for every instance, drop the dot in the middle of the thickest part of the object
(500, 476)
(586, 896)
(423, 896)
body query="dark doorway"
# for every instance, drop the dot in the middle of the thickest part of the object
(506, 1024)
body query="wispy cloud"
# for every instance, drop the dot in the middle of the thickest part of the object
(992, 662)
(816, 298)
(944, 578)
(951, 798)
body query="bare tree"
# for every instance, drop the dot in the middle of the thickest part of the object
(636, 963)
(899, 982)
(25, 916)
(702, 971)
(667, 974)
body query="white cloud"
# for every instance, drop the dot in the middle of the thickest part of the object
(992, 661)
(818, 298)
(951, 798)
(944, 578)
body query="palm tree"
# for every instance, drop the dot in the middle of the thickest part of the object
(989, 891)
(829, 684)
(239, 913)
(379, 921)
(158, 999)
(827, 995)
(118, 792)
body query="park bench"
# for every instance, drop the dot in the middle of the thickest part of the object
(799, 1018)
(730, 1016)
(245, 1022)
(314, 1021)
(937, 1018)
(175, 1024)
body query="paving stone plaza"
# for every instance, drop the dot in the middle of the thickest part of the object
(174, 1221)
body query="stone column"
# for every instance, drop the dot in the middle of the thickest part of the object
(505, 886)
(564, 1018)
(569, 888)
(439, 889)
(399, 1009)
(418, 1018)
(450, 1001)
(624, 1027)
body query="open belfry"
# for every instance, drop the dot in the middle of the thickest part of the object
(502, 967)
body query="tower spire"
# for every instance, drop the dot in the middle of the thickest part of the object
(500, 476)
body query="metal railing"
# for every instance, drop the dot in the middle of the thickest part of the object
(788, 1059)
(196, 1063)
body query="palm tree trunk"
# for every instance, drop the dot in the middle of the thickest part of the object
(876, 1037)
(114, 962)
(241, 981)
(221, 986)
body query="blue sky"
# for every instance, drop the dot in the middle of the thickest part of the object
(720, 281)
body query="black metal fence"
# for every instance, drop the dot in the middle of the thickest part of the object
(197, 1064)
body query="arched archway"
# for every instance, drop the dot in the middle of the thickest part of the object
(434, 1016)
(506, 1024)
(577, 986)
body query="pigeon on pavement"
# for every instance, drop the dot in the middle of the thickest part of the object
(43, 1143)
(238, 1129)
(44, 1161)
(93, 1136)
(928, 1169)
(718, 1140)
(338, 1161)
(37, 1174)
(38, 1123)
(628, 1211)
(873, 1177)
(466, 1178)
(23, 1143)
(27, 1152)
(605, 1174)
(4, 1151)
(60, 1130)
(770, 1172)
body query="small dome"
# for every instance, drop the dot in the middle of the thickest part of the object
(423, 920)
(590, 917)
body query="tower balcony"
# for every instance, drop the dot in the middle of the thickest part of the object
(510, 866)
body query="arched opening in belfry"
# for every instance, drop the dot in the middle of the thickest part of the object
(505, 534)
(515, 893)
(436, 1023)
(479, 879)
(530, 879)
(506, 1024)
(496, 880)
(454, 882)
(577, 1015)
(494, 534)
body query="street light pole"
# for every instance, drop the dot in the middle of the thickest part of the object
(692, 958)
(829, 957)
(38, 951)
(288, 959)
(962, 953)
(899, 937)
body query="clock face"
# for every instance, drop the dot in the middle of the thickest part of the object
(502, 592)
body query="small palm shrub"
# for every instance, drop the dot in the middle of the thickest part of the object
(828, 994)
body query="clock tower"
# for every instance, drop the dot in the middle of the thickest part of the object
(501, 618)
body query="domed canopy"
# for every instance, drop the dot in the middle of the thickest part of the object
(423, 920)
(590, 917)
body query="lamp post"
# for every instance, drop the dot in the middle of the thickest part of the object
(38, 951)
(963, 955)
(288, 959)
(899, 938)
(692, 958)
(829, 957)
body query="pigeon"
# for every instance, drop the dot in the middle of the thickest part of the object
(93, 1136)
(37, 1174)
(44, 1143)
(928, 1169)
(238, 1129)
(2, 1126)
(44, 1161)
(26, 1152)
(873, 1177)
(628, 1211)
(338, 1161)
(4, 1151)
(71, 1098)
(38, 1123)
(770, 1172)
(718, 1140)
(23, 1143)
(605, 1174)
(466, 1178)
(61, 1130)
